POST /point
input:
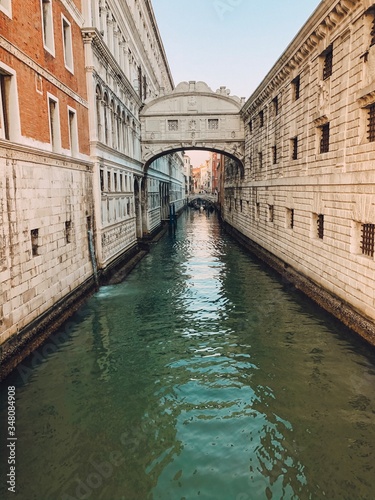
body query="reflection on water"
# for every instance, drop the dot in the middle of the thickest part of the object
(202, 376)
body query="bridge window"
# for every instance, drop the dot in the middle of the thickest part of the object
(327, 62)
(371, 123)
(173, 125)
(213, 124)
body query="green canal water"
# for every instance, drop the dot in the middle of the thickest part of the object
(202, 376)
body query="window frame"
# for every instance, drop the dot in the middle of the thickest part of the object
(6, 7)
(48, 37)
(67, 40)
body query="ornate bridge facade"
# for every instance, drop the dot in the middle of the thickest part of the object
(192, 116)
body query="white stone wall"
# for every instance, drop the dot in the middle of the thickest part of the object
(50, 195)
(338, 184)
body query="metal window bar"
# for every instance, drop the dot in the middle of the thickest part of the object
(297, 87)
(367, 240)
(371, 123)
(320, 225)
(291, 219)
(372, 32)
(328, 63)
(324, 140)
(295, 148)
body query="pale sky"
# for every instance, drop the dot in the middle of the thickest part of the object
(228, 42)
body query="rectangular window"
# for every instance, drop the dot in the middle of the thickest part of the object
(251, 126)
(260, 159)
(140, 83)
(67, 44)
(290, 218)
(108, 181)
(54, 123)
(320, 226)
(367, 239)
(115, 181)
(275, 102)
(6, 7)
(173, 125)
(68, 231)
(257, 210)
(261, 118)
(213, 124)
(327, 62)
(47, 24)
(294, 148)
(371, 123)
(270, 213)
(296, 84)
(101, 179)
(324, 138)
(372, 32)
(4, 106)
(34, 233)
(274, 154)
(73, 131)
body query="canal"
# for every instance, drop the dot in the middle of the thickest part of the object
(202, 376)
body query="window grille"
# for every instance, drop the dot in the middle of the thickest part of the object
(34, 233)
(324, 139)
(297, 87)
(261, 118)
(274, 154)
(173, 125)
(294, 148)
(367, 239)
(213, 124)
(372, 32)
(327, 65)
(290, 219)
(320, 226)
(371, 123)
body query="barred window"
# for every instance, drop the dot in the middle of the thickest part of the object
(274, 154)
(173, 125)
(270, 213)
(34, 234)
(327, 64)
(251, 126)
(372, 32)
(295, 148)
(320, 226)
(371, 123)
(275, 102)
(261, 118)
(324, 138)
(290, 218)
(296, 83)
(213, 124)
(260, 159)
(367, 239)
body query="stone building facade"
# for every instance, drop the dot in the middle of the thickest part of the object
(125, 65)
(307, 193)
(46, 181)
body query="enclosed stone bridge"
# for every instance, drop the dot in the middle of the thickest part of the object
(191, 117)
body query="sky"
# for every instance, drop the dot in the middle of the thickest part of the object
(232, 43)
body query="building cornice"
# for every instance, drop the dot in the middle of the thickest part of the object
(93, 37)
(318, 28)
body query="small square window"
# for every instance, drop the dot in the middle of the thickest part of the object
(213, 124)
(173, 125)
(34, 233)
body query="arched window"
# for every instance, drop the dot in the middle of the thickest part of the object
(113, 125)
(106, 111)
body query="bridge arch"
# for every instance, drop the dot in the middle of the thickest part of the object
(192, 117)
